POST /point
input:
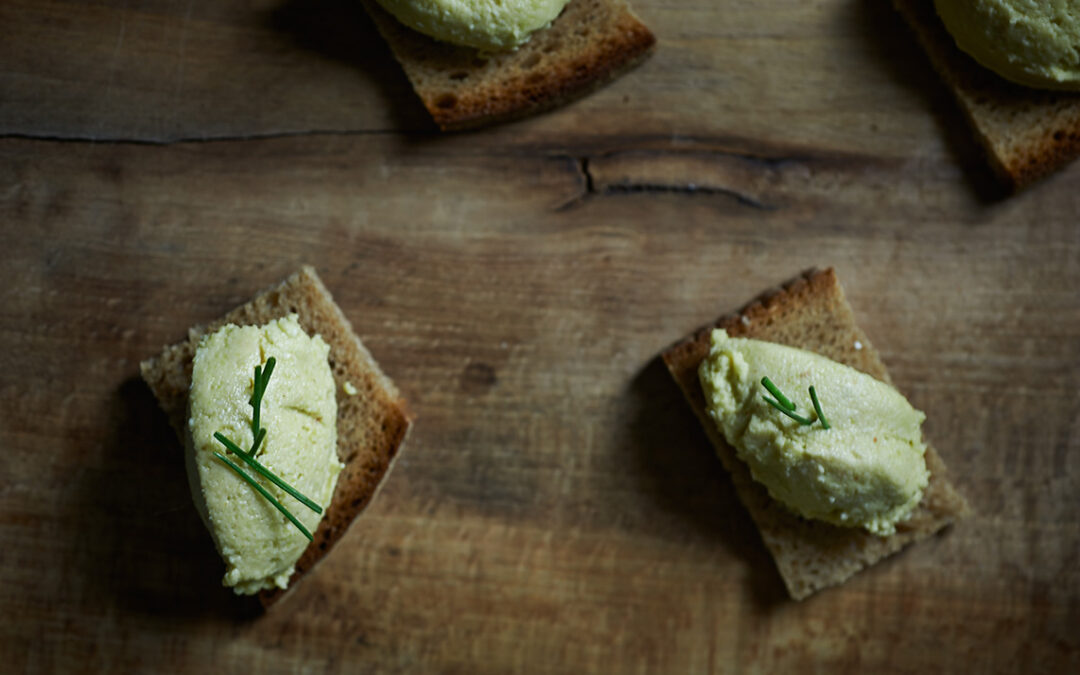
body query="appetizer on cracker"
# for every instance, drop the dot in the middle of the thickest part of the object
(289, 425)
(1014, 67)
(480, 62)
(828, 459)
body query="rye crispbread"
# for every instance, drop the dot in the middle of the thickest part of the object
(371, 424)
(590, 43)
(1027, 133)
(810, 312)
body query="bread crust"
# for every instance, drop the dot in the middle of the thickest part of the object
(589, 44)
(372, 424)
(809, 312)
(1027, 133)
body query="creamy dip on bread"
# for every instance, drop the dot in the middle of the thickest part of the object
(1032, 42)
(487, 25)
(867, 470)
(299, 412)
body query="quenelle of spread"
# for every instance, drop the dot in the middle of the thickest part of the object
(866, 470)
(299, 412)
(487, 25)
(1032, 42)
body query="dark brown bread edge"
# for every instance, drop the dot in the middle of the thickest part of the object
(977, 89)
(620, 48)
(372, 424)
(836, 553)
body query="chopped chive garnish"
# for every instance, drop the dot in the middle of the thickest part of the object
(788, 408)
(262, 378)
(258, 441)
(269, 497)
(817, 408)
(267, 473)
(795, 416)
(787, 405)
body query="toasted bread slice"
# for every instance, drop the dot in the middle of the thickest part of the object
(811, 313)
(371, 424)
(1027, 133)
(589, 44)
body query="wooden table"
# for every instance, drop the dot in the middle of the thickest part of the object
(556, 508)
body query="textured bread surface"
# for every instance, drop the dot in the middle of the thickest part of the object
(811, 313)
(371, 425)
(590, 43)
(1027, 133)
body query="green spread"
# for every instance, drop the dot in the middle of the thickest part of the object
(1031, 42)
(487, 25)
(299, 412)
(867, 470)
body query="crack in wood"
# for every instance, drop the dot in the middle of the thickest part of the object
(583, 166)
(688, 189)
(589, 188)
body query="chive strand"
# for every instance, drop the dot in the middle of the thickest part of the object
(258, 441)
(229, 445)
(267, 473)
(267, 371)
(817, 408)
(256, 400)
(256, 385)
(258, 389)
(795, 416)
(269, 497)
(787, 405)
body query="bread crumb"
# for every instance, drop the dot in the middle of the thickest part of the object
(350, 390)
(858, 345)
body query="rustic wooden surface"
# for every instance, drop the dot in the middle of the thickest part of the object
(556, 508)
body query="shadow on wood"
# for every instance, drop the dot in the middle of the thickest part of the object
(144, 546)
(342, 30)
(681, 472)
(891, 44)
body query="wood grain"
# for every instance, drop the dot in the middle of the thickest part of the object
(169, 70)
(556, 508)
